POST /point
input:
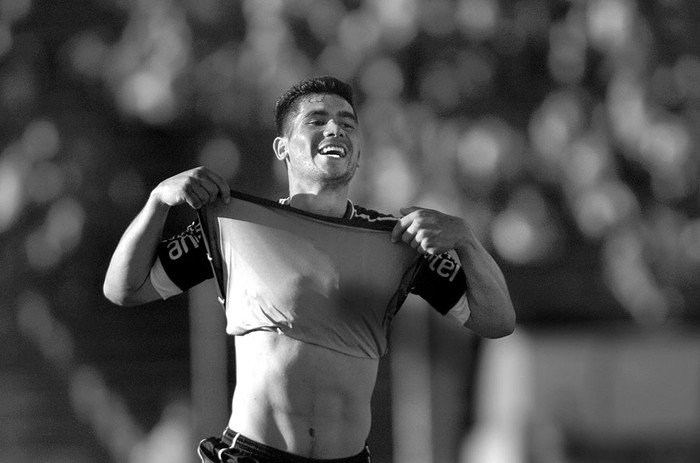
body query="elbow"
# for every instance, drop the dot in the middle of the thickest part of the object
(496, 326)
(500, 331)
(508, 322)
(497, 331)
(113, 295)
(505, 326)
(117, 295)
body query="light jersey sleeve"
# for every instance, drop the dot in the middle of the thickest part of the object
(161, 281)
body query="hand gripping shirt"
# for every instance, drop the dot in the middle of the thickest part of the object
(337, 283)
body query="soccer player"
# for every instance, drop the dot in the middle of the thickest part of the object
(303, 390)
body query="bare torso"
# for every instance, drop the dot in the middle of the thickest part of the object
(301, 398)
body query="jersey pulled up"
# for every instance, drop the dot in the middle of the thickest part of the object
(336, 283)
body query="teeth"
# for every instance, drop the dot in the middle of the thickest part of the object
(336, 150)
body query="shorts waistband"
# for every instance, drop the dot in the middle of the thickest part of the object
(238, 441)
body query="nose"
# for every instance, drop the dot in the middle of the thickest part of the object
(332, 129)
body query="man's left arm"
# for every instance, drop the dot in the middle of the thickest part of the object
(433, 232)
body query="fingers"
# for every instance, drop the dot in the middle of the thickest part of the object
(215, 185)
(426, 230)
(421, 240)
(401, 227)
(195, 187)
(414, 239)
(408, 229)
(222, 188)
(199, 194)
(194, 195)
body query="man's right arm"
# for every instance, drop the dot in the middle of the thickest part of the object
(127, 281)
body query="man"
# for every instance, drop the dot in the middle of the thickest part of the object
(295, 399)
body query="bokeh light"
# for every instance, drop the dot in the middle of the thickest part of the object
(221, 155)
(564, 132)
(478, 19)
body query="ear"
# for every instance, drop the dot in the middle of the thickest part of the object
(279, 145)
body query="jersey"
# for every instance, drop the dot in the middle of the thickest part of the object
(337, 283)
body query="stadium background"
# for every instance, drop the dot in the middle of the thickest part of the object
(565, 131)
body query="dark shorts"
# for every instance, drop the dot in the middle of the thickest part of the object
(233, 447)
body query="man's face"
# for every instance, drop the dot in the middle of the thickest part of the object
(322, 143)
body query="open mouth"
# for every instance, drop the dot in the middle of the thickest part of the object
(334, 151)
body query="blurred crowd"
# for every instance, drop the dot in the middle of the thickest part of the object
(564, 131)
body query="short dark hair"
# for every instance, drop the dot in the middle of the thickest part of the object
(287, 102)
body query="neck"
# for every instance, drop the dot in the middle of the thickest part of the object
(331, 203)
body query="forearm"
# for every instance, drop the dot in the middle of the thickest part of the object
(492, 314)
(133, 257)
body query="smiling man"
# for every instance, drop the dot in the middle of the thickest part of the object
(319, 140)
(311, 283)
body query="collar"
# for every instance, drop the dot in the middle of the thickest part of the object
(349, 211)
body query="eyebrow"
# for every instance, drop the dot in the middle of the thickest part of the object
(322, 112)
